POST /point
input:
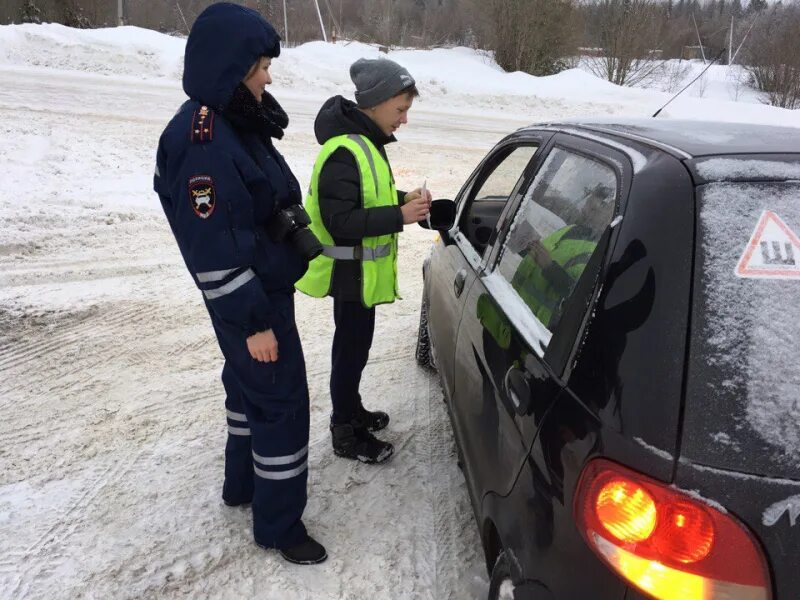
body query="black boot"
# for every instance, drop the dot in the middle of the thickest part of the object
(374, 420)
(310, 552)
(234, 503)
(353, 440)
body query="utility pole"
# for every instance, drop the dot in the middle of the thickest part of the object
(285, 23)
(744, 39)
(321, 24)
(183, 18)
(730, 43)
(699, 41)
(120, 16)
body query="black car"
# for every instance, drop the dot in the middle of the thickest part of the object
(615, 319)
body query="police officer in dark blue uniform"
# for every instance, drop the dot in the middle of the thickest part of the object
(233, 204)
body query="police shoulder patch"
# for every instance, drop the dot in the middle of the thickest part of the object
(202, 196)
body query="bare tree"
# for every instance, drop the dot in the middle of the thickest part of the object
(630, 34)
(774, 56)
(534, 36)
(673, 75)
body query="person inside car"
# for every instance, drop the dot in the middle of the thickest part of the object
(551, 266)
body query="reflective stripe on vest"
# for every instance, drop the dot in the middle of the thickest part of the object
(357, 252)
(378, 254)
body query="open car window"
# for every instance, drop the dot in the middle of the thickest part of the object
(491, 192)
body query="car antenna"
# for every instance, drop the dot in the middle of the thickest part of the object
(690, 83)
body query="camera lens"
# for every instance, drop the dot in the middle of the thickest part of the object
(306, 243)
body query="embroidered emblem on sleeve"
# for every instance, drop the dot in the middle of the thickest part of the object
(202, 196)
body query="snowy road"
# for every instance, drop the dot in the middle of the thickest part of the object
(113, 425)
(113, 421)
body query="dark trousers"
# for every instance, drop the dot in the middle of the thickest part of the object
(266, 456)
(352, 340)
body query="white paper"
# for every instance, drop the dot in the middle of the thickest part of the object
(424, 195)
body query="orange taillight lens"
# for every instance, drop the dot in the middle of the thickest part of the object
(626, 510)
(665, 541)
(687, 532)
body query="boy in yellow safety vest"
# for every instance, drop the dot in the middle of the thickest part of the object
(356, 213)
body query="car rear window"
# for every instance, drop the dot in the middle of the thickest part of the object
(743, 394)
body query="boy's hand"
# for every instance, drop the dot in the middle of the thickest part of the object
(415, 210)
(417, 193)
(263, 346)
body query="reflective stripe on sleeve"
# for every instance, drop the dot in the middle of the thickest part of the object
(233, 285)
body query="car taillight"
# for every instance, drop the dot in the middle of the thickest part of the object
(664, 542)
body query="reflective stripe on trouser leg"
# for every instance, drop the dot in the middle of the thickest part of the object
(275, 399)
(238, 485)
(281, 472)
(279, 422)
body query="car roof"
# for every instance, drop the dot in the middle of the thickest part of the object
(691, 139)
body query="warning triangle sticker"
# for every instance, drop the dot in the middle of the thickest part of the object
(773, 251)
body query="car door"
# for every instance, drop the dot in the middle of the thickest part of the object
(524, 311)
(452, 269)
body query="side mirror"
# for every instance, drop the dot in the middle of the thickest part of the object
(442, 217)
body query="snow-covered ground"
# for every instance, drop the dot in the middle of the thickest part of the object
(113, 424)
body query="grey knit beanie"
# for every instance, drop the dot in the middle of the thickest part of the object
(378, 80)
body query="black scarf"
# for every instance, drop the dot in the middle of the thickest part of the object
(266, 118)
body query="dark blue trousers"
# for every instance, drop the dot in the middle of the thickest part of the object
(352, 340)
(266, 456)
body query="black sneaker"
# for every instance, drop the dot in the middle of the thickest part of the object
(310, 552)
(374, 420)
(353, 440)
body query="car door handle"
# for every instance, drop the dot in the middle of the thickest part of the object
(517, 389)
(458, 283)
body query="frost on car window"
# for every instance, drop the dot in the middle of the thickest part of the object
(744, 384)
(555, 232)
(733, 169)
(637, 158)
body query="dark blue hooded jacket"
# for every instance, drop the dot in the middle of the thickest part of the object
(218, 187)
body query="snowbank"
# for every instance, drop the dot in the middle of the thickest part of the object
(456, 78)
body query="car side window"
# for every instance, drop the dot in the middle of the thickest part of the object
(558, 225)
(490, 194)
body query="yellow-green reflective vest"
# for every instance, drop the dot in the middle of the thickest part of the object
(531, 282)
(377, 255)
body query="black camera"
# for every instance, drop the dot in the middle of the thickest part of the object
(290, 225)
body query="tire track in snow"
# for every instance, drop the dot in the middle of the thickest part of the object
(50, 549)
(11, 357)
(66, 369)
(121, 400)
